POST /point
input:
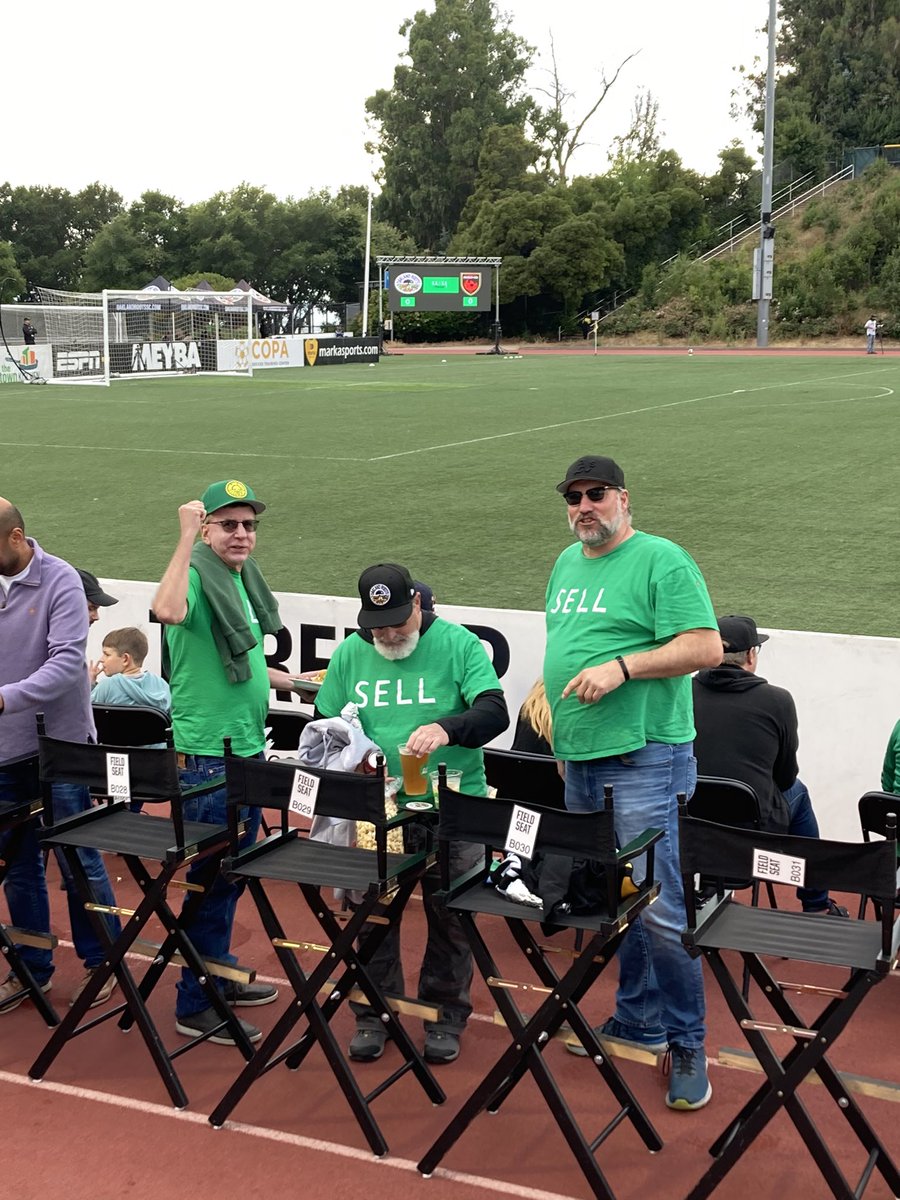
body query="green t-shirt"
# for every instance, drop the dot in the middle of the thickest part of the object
(206, 706)
(635, 598)
(443, 675)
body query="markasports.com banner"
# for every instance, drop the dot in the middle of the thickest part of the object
(336, 351)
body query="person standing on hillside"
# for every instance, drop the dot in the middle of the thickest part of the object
(628, 619)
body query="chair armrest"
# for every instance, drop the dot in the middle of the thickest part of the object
(200, 789)
(706, 916)
(639, 845)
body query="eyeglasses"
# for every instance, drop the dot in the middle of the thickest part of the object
(596, 494)
(230, 525)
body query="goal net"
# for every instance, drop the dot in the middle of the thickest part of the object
(98, 337)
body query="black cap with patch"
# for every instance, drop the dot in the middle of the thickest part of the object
(593, 466)
(386, 591)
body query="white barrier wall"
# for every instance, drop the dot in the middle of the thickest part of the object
(846, 688)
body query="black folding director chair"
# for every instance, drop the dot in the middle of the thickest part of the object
(382, 883)
(130, 725)
(865, 949)
(154, 850)
(486, 820)
(874, 810)
(15, 818)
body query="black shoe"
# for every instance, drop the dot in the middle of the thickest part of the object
(441, 1047)
(202, 1022)
(249, 995)
(367, 1043)
(830, 910)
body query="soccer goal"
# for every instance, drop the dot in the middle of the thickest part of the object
(102, 336)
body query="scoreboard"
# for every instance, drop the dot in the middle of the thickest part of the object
(439, 287)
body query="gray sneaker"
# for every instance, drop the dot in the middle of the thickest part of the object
(196, 1024)
(621, 1035)
(249, 995)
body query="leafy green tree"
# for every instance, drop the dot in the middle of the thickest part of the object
(188, 283)
(147, 240)
(839, 81)
(464, 75)
(50, 229)
(12, 281)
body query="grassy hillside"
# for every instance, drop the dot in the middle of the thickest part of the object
(837, 260)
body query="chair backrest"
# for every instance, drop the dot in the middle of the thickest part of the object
(720, 851)
(530, 778)
(131, 725)
(874, 808)
(725, 801)
(286, 728)
(256, 783)
(152, 774)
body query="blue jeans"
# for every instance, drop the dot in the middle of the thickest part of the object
(803, 823)
(26, 886)
(660, 990)
(210, 930)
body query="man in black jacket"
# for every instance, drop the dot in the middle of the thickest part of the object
(747, 730)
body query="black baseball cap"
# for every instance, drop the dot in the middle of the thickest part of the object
(94, 592)
(593, 466)
(740, 633)
(386, 591)
(425, 594)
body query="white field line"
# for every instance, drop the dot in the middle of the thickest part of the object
(610, 416)
(156, 450)
(318, 1145)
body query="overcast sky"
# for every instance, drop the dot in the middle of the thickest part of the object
(191, 99)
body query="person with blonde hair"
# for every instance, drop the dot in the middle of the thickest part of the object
(534, 727)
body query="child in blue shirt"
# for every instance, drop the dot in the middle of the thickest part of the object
(124, 679)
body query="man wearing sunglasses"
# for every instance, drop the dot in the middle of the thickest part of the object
(217, 607)
(628, 619)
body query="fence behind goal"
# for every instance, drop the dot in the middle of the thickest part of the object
(99, 336)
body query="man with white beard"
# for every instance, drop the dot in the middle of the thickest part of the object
(427, 682)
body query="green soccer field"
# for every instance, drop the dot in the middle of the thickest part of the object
(778, 474)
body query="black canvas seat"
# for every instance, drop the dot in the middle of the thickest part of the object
(154, 849)
(862, 952)
(558, 990)
(15, 819)
(381, 884)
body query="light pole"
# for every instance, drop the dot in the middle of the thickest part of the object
(764, 257)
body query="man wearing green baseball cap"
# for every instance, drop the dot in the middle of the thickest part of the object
(217, 607)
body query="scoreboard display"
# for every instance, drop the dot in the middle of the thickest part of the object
(436, 287)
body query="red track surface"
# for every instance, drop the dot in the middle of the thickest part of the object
(586, 350)
(100, 1125)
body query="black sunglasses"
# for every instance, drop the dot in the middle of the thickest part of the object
(596, 494)
(230, 524)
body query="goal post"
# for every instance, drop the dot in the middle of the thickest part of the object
(116, 334)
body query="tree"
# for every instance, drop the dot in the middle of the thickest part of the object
(560, 139)
(640, 140)
(464, 75)
(12, 282)
(50, 229)
(839, 81)
(149, 239)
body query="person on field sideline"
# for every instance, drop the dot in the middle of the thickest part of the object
(421, 680)
(217, 607)
(628, 619)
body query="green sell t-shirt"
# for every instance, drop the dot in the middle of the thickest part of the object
(206, 706)
(443, 675)
(633, 599)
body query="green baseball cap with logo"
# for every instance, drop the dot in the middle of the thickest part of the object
(230, 491)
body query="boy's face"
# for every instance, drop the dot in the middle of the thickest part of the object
(114, 663)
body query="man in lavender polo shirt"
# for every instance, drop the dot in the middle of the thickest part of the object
(43, 633)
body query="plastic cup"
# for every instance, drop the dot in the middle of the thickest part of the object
(415, 781)
(454, 780)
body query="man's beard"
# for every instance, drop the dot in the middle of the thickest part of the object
(397, 650)
(598, 534)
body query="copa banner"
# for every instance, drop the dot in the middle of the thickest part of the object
(238, 355)
(336, 351)
(857, 711)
